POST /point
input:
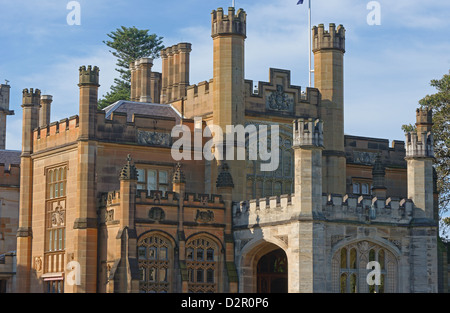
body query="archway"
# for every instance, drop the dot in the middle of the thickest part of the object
(272, 272)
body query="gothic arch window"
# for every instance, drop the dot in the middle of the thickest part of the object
(350, 268)
(202, 257)
(155, 255)
(270, 183)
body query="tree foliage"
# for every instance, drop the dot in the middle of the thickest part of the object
(128, 44)
(439, 102)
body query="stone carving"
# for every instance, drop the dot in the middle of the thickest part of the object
(38, 264)
(364, 157)
(109, 216)
(156, 214)
(58, 217)
(204, 216)
(363, 246)
(154, 138)
(279, 100)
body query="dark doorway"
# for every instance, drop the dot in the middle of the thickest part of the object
(272, 272)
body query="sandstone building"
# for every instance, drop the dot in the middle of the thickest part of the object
(104, 207)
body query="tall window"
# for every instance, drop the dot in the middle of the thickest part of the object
(272, 183)
(55, 221)
(154, 264)
(201, 262)
(350, 268)
(153, 179)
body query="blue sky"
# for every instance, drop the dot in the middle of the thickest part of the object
(388, 67)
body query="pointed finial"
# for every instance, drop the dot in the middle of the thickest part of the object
(129, 171)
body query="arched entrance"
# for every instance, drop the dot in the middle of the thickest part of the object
(272, 272)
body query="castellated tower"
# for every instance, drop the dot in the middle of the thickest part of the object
(85, 225)
(229, 33)
(30, 105)
(4, 112)
(419, 157)
(329, 49)
(308, 146)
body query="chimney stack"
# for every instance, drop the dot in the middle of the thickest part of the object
(4, 112)
(44, 111)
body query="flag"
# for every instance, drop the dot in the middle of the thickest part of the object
(300, 2)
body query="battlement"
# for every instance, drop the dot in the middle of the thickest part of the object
(424, 120)
(308, 132)
(232, 24)
(328, 39)
(424, 116)
(202, 88)
(348, 208)
(56, 133)
(419, 145)
(89, 75)
(168, 198)
(367, 208)
(31, 97)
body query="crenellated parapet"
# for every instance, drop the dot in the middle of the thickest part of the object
(308, 132)
(31, 97)
(89, 76)
(419, 145)
(367, 209)
(263, 210)
(232, 24)
(56, 134)
(333, 38)
(335, 208)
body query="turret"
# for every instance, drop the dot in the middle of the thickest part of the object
(89, 83)
(419, 158)
(229, 33)
(329, 49)
(308, 146)
(30, 117)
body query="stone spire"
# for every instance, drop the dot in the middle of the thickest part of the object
(224, 178)
(129, 171)
(178, 176)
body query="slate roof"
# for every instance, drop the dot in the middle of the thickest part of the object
(154, 109)
(10, 157)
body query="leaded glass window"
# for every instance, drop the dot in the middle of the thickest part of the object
(350, 270)
(155, 265)
(201, 263)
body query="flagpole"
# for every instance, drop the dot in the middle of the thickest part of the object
(310, 44)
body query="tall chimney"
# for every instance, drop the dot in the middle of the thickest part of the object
(146, 65)
(44, 111)
(4, 112)
(89, 83)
